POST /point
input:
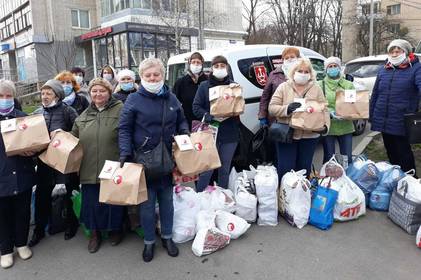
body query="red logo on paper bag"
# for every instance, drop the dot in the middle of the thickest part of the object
(261, 74)
(226, 96)
(23, 126)
(56, 143)
(310, 109)
(230, 227)
(118, 179)
(198, 146)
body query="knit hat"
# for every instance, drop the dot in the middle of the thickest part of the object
(333, 60)
(219, 59)
(56, 86)
(196, 55)
(402, 44)
(100, 82)
(126, 73)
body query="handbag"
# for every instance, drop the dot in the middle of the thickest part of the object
(413, 127)
(157, 162)
(281, 132)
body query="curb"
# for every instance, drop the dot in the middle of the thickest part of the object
(359, 149)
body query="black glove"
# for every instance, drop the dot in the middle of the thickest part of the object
(124, 159)
(292, 107)
(184, 132)
(324, 131)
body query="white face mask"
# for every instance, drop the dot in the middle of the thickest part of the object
(301, 78)
(152, 87)
(219, 73)
(288, 64)
(396, 61)
(54, 102)
(108, 77)
(195, 69)
(79, 80)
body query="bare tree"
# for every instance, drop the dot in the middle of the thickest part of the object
(253, 10)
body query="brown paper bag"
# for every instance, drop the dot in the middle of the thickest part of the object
(30, 135)
(127, 185)
(313, 119)
(203, 157)
(64, 153)
(353, 111)
(226, 101)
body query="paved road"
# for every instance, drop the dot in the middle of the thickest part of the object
(370, 248)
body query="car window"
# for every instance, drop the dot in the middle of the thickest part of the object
(176, 71)
(364, 69)
(319, 67)
(255, 69)
(418, 49)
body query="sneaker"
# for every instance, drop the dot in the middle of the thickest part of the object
(6, 261)
(24, 252)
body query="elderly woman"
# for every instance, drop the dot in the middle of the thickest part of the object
(228, 130)
(97, 130)
(58, 115)
(396, 92)
(71, 88)
(276, 77)
(301, 84)
(126, 85)
(185, 88)
(17, 175)
(150, 119)
(340, 130)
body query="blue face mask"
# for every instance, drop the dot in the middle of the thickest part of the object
(68, 89)
(127, 86)
(333, 72)
(6, 104)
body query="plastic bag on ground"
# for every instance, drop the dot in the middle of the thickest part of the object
(295, 198)
(209, 240)
(246, 205)
(351, 201)
(248, 182)
(418, 238)
(186, 207)
(231, 224)
(322, 207)
(389, 176)
(412, 188)
(216, 198)
(266, 181)
(332, 168)
(364, 173)
(205, 219)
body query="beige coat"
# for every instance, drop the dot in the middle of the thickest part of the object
(285, 94)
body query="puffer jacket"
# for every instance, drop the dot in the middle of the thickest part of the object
(276, 77)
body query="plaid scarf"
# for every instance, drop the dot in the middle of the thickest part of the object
(407, 63)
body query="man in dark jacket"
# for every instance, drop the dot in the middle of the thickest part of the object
(58, 115)
(185, 88)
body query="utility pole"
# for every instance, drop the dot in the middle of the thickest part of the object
(370, 52)
(201, 43)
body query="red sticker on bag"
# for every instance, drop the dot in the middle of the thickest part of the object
(23, 126)
(118, 179)
(198, 146)
(230, 227)
(56, 143)
(226, 96)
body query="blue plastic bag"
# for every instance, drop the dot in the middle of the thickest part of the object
(379, 200)
(389, 178)
(364, 173)
(322, 205)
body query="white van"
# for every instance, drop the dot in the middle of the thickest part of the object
(250, 67)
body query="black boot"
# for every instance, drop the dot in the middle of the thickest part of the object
(36, 238)
(148, 252)
(70, 231)
(170, 246)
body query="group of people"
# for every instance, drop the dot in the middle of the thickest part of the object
(116, 119)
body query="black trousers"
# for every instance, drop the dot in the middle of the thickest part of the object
(15, 215)
(399, 151)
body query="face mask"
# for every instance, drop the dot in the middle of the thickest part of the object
(333, 72)
(219, 73)
(152, 87)
(68, 89)
(6, 106)
(287, 65)
(108, 77)
(396, 61)
(54, 102)
(79, 80)
(195, 69)
(69, 100)
(301, 78)
(127, 86)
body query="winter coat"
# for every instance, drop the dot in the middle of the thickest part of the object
(80, 104)
(140, 125)
(122, 95)
(185, 89)
(284, 95)
(17, 173)
(276, 77)
(396, 92)
(98, 134)
(228, 130)
(329, 87)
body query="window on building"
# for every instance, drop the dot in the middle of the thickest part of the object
(22, 19)
(394, 9)
(80, 19)
(80, 57)
(394, 28)
(366, 8)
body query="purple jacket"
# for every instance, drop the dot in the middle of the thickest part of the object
(276, 77)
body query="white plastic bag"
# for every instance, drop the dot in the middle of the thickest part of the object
(245, 205)
(332, 168)
(205, 219)
(266, 181)
(351, 200)
(59, 189)
(209, 240)
(246, 176)
(231, 224)
(295, 198)
(216, 198)
(410, 188)
(186, 206)
(418, 238)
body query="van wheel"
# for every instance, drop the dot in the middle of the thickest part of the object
(359, 126)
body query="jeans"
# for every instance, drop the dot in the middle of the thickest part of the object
(226, 153)
(296, 155)
(345, 146)
(162, 190)
(399, 151)
(15, 213)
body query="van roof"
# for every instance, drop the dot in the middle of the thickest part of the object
(226, 51)
(380, 57)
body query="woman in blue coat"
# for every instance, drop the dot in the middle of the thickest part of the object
(149, 115)
(396, 92)
(17, 176)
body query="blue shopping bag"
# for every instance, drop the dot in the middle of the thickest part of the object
(322, 205)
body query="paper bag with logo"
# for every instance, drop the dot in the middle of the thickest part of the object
(226, 101)
(200, 157)
(25, 134)
(352, 105)
(122, 186)
(64, 153)
(310, 118)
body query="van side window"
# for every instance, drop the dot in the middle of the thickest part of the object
(318, 66)
(255, 69)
